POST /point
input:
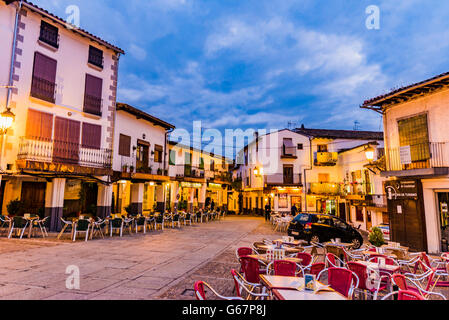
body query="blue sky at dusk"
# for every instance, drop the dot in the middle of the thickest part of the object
(263, 63)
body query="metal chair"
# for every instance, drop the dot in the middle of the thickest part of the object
(253, 291)
(82, 226)
(18, 224)
(200, 292)
(140, 222)
(68, 225)
(116, 224)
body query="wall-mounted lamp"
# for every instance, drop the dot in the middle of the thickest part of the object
(6, 120)
(369, 153)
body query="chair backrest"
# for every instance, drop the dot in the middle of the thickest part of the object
(19, 222)
(306, 258)
(251, 269)
(341, 280)
(82, 225)
(141, 221)
(117, 222)
(400, 281)
(316, 268)
(361, 271)
(199, 291)
(331, 260)
(375, 258)
(284, 268)
(244, 251)
(409, 295)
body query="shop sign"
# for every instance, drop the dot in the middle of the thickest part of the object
(215, 185)
(396, 190)
(190, 185)
(405, 155)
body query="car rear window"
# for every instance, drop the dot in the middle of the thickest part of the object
(302, 218)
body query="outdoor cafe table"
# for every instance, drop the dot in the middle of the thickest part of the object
(265, 260)
(368, 254)
(387, 268)
(288, 250)
(339, 245)
(294, 243)
(286, 288)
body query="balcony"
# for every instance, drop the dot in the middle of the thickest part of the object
(426, 159)
(280, 180)
(359, 191)
(325, 188)
(132, 166)
(326, 159)
(43, 89)
(49, 35)
(62, 152)
(185, 171)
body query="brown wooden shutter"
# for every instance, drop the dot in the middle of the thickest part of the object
(66, 142)
(124, 145)
(39, 125)
(94, 86)
(44, 67)
(91, 136)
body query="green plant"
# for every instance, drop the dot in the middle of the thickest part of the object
(376, 237)
(14, 207)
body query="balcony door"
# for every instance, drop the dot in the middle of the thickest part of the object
(288, 174)
(142, 156)
(66, 145)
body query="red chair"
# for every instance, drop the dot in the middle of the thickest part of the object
(284, 268)
(389, 261)
(316, 268)
(404, 295)
(402, 282)
(251, 269)
(200, 292)
(332, 261)
(341, 280)
(306, 259)
(363, 273)
(243, 252)
(241, 285)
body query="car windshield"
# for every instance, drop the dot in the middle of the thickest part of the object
(324, 220)
(302, 218)
(340, 224)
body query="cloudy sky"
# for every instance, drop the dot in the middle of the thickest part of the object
(264, 63)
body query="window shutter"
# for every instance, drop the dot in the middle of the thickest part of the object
(44, 67)
(39, 125)
(91, 136)
(92, 94)
(124, 145)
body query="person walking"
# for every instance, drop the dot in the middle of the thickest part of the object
(267, 212)
(294, 210)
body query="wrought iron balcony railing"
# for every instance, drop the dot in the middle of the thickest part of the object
(43, 89)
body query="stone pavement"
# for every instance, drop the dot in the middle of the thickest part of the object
(158, 265)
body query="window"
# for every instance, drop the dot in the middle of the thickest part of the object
(66, 140)
(359, 214)
(300, 146)
(288, 174)
(322, 148)
(49, 34)
(288, 148)
(212, 165)
(91, 136)
(124, 148)
(92, 95)
(158, 153)
(39, 125)
(172, 158)
(413, 132)
(201, 163)
(95, 57)
(43, 83)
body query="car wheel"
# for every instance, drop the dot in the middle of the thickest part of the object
(315, 238)
(356, 243)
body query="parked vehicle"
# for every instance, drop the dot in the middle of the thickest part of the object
(322, 228)
(385, 230)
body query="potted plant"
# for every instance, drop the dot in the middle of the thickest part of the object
(159, 171)
(131, 169)
(376, 237)
(14, 207)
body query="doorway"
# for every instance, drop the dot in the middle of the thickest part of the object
(443, 208)
(33, 197)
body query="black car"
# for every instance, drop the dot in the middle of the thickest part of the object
(322, 228)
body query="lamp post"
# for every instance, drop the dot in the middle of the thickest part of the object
(6, 120)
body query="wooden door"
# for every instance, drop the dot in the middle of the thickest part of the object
(288, 174)
(33, 197)
(188, 165)
(66, 146)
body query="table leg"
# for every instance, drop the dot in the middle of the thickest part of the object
(30, 230)
(62, 231)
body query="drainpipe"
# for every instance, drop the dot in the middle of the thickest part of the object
(305, 173)
(13, 54)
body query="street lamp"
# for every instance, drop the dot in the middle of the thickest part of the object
(6, 120)
(369, 153)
